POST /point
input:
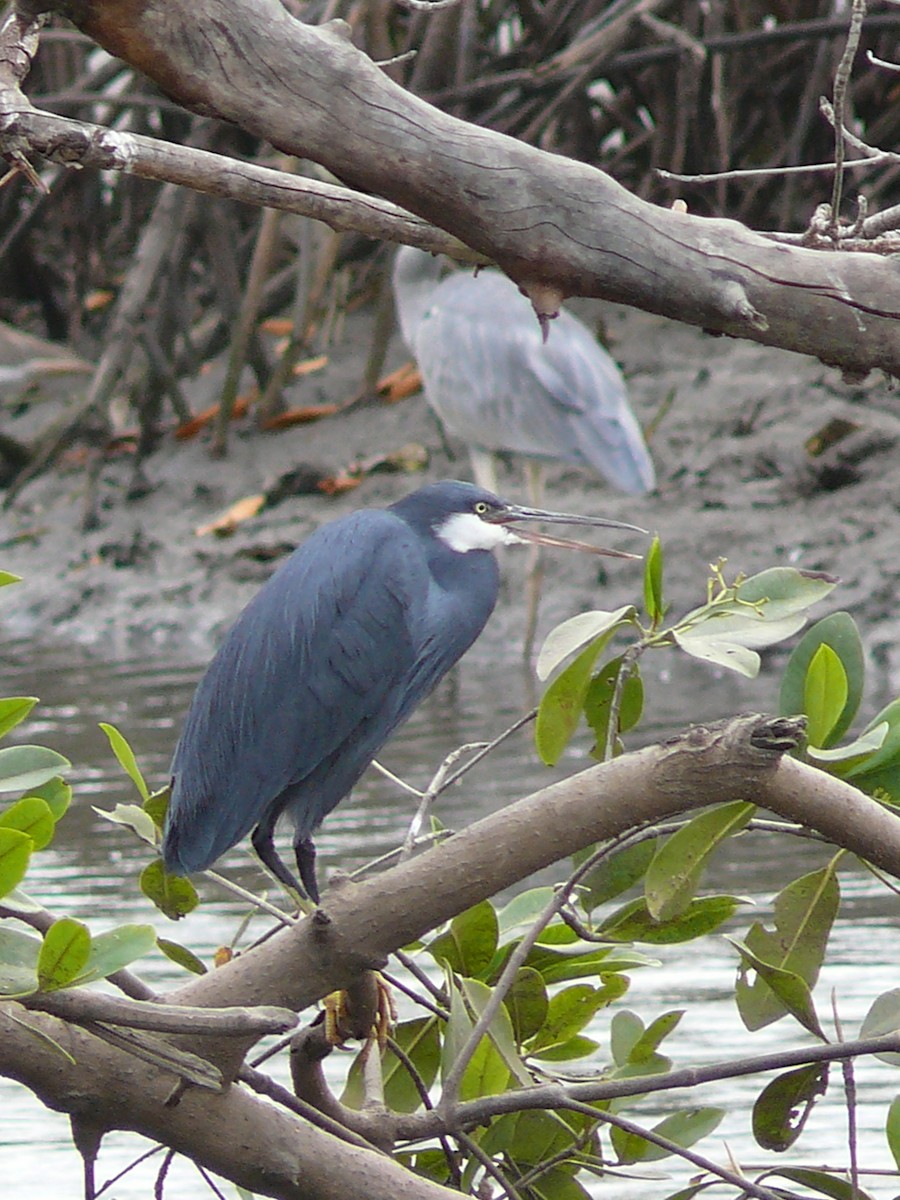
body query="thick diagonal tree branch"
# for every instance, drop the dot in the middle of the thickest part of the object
(361, 924)
(274, 1152)
(557, 226)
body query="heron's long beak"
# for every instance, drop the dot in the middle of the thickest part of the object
(512, 514)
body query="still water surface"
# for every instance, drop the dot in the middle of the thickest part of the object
(91, 873)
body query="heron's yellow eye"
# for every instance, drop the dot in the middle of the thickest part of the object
(482, 507)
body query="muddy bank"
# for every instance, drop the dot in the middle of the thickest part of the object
(736, 479)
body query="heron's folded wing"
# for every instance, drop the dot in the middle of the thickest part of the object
(316, 655)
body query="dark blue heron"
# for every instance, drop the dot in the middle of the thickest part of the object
(498, 386)
(331, 655)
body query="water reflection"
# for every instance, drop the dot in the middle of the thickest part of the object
(91, 872)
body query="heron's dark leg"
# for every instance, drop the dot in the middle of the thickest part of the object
(264, 845)
(305, 853)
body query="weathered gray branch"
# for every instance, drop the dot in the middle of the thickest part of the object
(557, 226)
(268, 1150)
(361, 924)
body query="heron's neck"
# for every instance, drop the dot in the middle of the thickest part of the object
(415, 274)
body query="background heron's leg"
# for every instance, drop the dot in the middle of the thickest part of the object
(305, 853)
(534, 477)
(484, 468)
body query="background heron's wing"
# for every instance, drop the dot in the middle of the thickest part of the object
(496, 384)
(316, 657)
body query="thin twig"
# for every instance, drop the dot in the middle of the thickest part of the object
(698, 1160)
(257, 901)
(627, 665)
(416, 997)
(850, 1094)
(432, 792)
(419, 1084)
(841, 88)
(417, 973)
(507, 977)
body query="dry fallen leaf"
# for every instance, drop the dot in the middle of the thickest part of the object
(191, 428)
(227, 522)
(399, 384)
(342, 482)
(277, 326)
(308, 366)
(300, 416)
(97, 300)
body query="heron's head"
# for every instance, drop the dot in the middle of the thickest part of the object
(466, 517)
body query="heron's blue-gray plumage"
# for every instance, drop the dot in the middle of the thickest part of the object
(334, 652)
(498, 386)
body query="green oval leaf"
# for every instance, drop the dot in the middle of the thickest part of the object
(31, 815)
(115, 949)
(574, 635)
(14, 709)
(825, 692)
(675, 871)
(804, 913)
(684, 1128)
(133, 817)
(578, 1046)
(614, 874)
(127, 761)
(500, 1032)
(56, 794)
(419, 1039)
(721, 652)
(523, 910)
(15, 854)
(173, 895)
(839, 632)
(784, 1105)
(155, 806)
(883, 1018)
(888, 754)
(568, 1011)
(634, 923)
(528, 1138)
(486, 1073)
(23, 768)
(858, 753)
(181, 956)
(598, 698)
(469, 945)
(653, 577)
(562, 705)
(624, 1031)
(64, 954)
(792, 993)
(821, 1181)
(656, 1032)
(527, 1003)
(892, 1129)
(784, 591)
(19, 953)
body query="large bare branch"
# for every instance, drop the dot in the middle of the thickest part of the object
(361, 924)
(272, 1151)
(557, 226)
(261, 1147)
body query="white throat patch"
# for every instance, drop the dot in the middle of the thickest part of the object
(464, 532)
